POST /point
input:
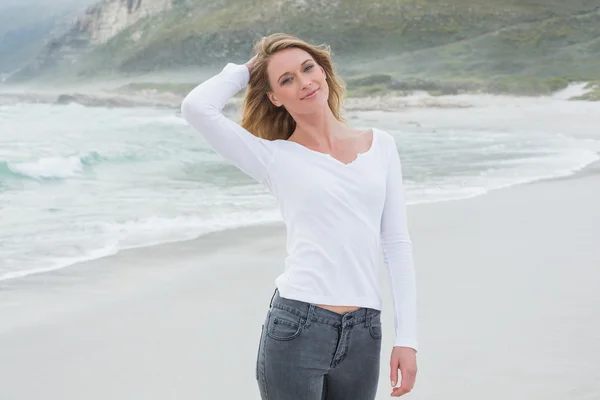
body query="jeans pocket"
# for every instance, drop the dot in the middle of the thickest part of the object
(375, 326)
(284, 325)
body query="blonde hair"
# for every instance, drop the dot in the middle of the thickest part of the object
(261, 117)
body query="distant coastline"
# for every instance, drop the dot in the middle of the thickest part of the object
(365, 94)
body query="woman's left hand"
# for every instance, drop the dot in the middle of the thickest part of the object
(405, 360)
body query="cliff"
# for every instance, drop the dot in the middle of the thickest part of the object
(104, 21)
(460, 39)
(26, 24)
(97, 26)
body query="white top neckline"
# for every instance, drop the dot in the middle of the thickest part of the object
(328, 155)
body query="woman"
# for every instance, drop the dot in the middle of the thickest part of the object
(341, 197)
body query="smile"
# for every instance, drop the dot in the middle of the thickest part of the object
(310, 96)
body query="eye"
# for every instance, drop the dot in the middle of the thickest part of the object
(288, 80)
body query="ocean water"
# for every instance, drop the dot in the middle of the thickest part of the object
(79, 183)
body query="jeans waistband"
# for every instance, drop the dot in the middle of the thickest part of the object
(311, 312)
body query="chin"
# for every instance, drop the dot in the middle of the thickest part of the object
(316, 103)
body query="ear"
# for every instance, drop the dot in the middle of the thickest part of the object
(273, 99)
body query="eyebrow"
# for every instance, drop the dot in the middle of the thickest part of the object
(304, 62)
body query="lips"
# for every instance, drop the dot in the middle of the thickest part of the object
(310, 94)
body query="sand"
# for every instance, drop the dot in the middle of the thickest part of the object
(509, 308)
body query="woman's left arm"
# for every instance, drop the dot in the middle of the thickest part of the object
(398, 258)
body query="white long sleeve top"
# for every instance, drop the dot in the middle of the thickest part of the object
(338, 216)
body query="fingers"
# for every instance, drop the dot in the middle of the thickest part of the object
(394, 365)
(250, 63)
(409, 375)
(406, 386)
(397, 392)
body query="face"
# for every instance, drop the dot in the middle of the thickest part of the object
(298, 83)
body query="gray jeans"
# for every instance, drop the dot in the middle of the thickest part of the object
(309, 353)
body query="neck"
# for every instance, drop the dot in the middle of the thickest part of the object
(320, 128)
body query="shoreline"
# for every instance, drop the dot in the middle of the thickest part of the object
(386, 101)
(170, 93)
(213, 238)
(590, 169)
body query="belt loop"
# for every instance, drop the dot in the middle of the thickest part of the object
(368, 317)
(311, 311)
(272, 297)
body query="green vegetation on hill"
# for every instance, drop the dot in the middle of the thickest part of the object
(379, 84)
(194, 33)
(502, 46)
(593, 95)
(566, 47)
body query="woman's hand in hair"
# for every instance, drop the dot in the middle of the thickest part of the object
(250, 64)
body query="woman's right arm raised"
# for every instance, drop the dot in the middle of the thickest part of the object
(202, 109)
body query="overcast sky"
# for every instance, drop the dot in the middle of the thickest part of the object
(33, 3)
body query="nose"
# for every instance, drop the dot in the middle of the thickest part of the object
(305, 82)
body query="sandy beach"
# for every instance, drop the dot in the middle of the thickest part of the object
(509, 308)
(138, 257)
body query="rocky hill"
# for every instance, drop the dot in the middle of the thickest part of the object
(459, 39)
(25, 25)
